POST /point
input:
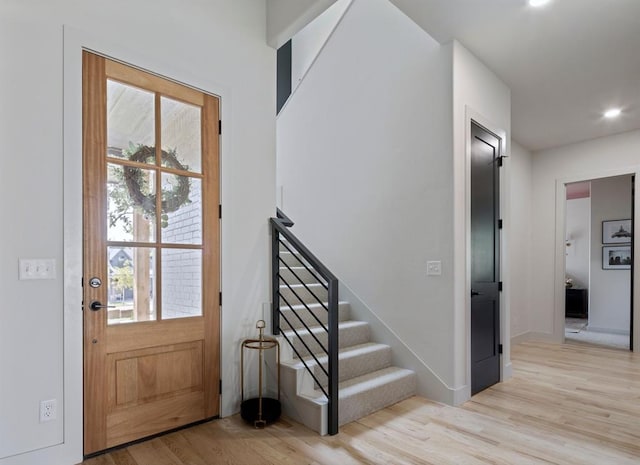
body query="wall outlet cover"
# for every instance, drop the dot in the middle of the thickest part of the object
(37, 268)
(48, 410)
(434, 268)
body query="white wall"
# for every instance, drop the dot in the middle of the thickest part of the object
(364, 157)
(578, 227)
(520, 162)
(478, 94)
(367, 151)
(610, 290)
(306, 44)
(286, 17)
(219, 46)
(601, 157)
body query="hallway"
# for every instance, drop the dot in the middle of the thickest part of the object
(577, 330)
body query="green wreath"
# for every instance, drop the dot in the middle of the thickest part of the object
(137, 183)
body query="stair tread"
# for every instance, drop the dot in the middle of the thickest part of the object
(319, 329)
(311, 305)
(296, 254)
(354, 386)
(314, 285)
(301, 274)
(343, 353)
(298, 268)
(292, 258)
(371, 380)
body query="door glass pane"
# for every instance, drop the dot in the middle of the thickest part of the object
(483, 212)
(131, 204)
(131, 284)
(181, 283)
(181, 139)
(130, 122)
(181, 209)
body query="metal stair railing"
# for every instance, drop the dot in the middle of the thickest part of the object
(281, 236)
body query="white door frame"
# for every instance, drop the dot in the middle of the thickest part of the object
(560, 249)
(505, 205)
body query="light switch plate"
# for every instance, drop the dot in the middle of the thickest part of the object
(434, 268)
(37, 268)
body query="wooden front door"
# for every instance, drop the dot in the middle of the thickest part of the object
(151, 254)
(485, 259)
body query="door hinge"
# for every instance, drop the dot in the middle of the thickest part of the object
(220, 298)
(219, 211)
(500, 286)
(220, 126)
(499, 224)
(499, 348)
(220, 386)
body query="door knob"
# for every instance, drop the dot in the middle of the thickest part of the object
(474, 293)
(95, 306)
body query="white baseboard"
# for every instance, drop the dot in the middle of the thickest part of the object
(430, 385)
(461, 395)
(532, 336)
(507, 372)
(623, 332)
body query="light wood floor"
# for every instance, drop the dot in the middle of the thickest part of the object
(566, 404)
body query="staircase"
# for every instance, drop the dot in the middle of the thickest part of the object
(366, 379)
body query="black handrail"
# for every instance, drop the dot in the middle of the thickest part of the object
(279, 227)
(286, 221)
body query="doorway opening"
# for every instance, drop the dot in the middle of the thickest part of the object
(599, 262)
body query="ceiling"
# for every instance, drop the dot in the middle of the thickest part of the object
(566, 62)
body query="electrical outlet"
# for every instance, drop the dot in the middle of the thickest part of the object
(48, 410)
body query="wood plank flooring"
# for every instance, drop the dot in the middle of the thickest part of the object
(566, 404)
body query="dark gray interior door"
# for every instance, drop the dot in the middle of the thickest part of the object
(485, 259)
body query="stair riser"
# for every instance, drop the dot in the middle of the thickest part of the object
(346, 337)
(296, 295)
(362, 404)
(359, 365)
(290, 259)
(307, 316)
(303, 276)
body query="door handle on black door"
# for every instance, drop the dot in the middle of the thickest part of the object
(474, 293)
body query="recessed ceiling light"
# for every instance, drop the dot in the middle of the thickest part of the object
(537, 3)
(612, 113)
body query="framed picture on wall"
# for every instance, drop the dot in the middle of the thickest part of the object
(616, 232)
(616, 257)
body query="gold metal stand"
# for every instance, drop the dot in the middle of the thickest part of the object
(261, 410)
